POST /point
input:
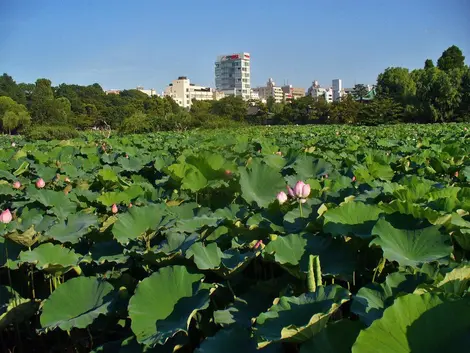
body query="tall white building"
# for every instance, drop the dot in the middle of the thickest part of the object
(232, 74)
(337, 85)
(183, 92)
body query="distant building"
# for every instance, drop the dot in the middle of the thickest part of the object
(232, 75)
(183, 92)
(292, 92)
(149, 92)
(254, 95)
(320, 92)
(112, 91)
(270, 90)
(337, 85)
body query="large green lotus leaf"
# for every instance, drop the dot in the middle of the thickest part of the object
(309, 167)
(337, 337)
(457, 281)
(108, 251)
(77, 303)
(233, 261)
(418, 324)
(51, 258)
(108, 174)
(71, 230)
(371, 300)
(13, 308)
(59, 203)
(260, 184)
(164, 303)
(411, 247)
(380, 171)
(193, 179)
(9, 252)
(130, 164)
(287, 249)
(205, 257)
(193, 224)
(234, 340)
(297, 319)
(138, 220)
(417, 211)
(337, 258)
(352, 217)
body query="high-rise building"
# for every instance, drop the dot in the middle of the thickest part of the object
(319, 92)
(292, 92)
(232, 74)
(337, 89)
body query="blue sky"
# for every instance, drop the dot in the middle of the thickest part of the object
(125, 43)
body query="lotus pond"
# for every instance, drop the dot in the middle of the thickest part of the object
(193, 242)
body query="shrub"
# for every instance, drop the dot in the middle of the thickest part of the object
(51, 132)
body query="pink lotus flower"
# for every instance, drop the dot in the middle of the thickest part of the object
(301, 189)
(465, 128)
(326, 176)
(281, 197)
(40, 183)
(127, 156)
(5, 216)
(114, 208)
(456, 174)
(130, 205)
(258, 244)
(16, 185)
(290, 191)
(353, 179)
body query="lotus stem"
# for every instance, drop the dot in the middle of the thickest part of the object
(379, 268)
(300, 208)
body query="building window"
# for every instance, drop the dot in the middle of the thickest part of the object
(187, 89)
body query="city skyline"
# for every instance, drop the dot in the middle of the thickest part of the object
(124, 45)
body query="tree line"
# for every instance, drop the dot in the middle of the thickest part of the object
(434, 93)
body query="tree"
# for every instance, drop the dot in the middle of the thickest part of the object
(360, 91)
(451, 58)
(380, 111)
(43, 109)
(9, 88)
(437, 96)
(345, 111)
(428, 64)
(233, 107)
(15, 121)
(396, 83)
(138, 122)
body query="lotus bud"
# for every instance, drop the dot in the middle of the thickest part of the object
(281, 197)
(40, 183)
(279, 153)
(337, 133)
(127, 156)
(130, 205)
(114, 208)
(258, 244)
(353, 179)
(456, 174)
(290, 191)
(13, 144)
(67, 180)
(5, 216)
(298, 188)
(16, 185)
(305, 191)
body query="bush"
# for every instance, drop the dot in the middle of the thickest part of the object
(52, 132)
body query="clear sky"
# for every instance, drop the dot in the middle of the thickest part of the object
(126, 43)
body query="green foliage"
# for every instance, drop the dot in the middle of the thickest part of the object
(51, 132)
(199, 255)
(451, 58)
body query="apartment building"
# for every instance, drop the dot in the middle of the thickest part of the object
(270, 90)
(292, 92)
(232, 75)
(183, 92)
(320, 92)
(149, 92)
